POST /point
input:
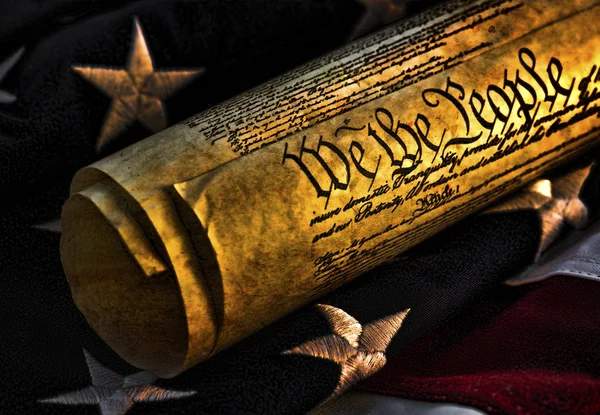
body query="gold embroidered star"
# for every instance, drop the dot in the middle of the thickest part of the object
(378, 13)
(137, 92)
(360, 351)
(557, 202)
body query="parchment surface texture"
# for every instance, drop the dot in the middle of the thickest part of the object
(185, 243)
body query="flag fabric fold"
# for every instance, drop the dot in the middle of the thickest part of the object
(529, 349)
(59, 111)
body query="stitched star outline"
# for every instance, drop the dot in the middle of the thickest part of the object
(359, 350)
(137, 92)
(114, 393)
(556, 201)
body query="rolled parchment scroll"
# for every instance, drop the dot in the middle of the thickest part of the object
(185, 243)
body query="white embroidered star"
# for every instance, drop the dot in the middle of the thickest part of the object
(360, 351)
(114, 393)
(5, 67)
(50, 226)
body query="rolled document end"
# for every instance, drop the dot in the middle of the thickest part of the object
(124, 289)
(183, 244)
(87, 177)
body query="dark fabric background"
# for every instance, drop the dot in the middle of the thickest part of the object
(51, 131)
(531, 349)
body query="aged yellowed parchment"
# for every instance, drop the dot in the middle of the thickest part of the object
(187, 242)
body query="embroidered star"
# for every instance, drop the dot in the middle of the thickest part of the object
(378, 13)
(50, 226)
(5, 67)
(359, 350)
(557, 202)
(114, 393)
(137, 92)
